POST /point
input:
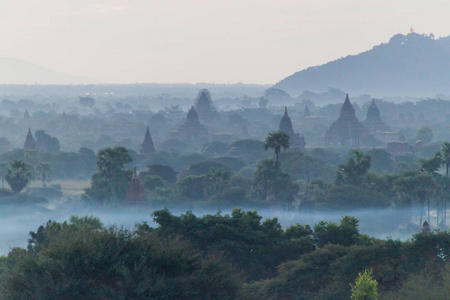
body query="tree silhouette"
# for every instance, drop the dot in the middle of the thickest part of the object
(44, 172)
(445, 154)
(277, 140)
(18, 175)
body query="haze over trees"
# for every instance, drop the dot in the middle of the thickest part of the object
(333, 181)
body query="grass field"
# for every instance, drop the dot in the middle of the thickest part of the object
(69, 187)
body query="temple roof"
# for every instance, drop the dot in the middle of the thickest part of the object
(347, 108)
(30, 142)
(147, 144)
(373, 113)
(286, 123)
(135, 192)
(192, 115)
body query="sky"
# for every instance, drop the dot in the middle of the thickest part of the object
(191, 41)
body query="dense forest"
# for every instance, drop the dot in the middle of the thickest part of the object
(265, 178)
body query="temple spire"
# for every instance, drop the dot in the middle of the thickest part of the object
(30, 142)
(147, 144)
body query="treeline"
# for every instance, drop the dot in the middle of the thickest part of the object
(220, 257)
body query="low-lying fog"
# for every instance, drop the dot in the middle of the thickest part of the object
(17, 221)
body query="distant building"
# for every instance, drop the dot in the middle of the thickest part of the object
(295, 140)
(346, 130)
(30, 142)
(426, 230)
(192, 131)
(397, 147)
(204, 107)
(373, 122)
(26, 115)
(147, 145)
(135, 192)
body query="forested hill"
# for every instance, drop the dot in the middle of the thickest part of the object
(408, 65)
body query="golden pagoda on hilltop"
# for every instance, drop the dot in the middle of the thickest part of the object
(411, 30)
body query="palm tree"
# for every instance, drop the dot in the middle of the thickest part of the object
(445, 154)
(112, 160)
(276, 140)
(18, 175)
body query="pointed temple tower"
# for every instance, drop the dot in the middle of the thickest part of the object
(192, 131)
(135, 192)
(294, 138)
(346, 130)
(373, 121)
(30, 142)
(204, 107)
(26, 115)
(147, 144)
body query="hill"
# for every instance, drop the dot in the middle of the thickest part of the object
(15, 71)
(408, 65)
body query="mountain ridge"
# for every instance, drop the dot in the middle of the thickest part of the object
(17, 71)
(408, 65)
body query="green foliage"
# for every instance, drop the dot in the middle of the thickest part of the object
(110, 182)
(277, 140)
(167, 173)
(365, 287)
(431, 165)
(345, 234)
(202, 167)
(44, 172)
(445, 152)
(381, 161)
(353, 171)
(349, 196)
(46, 142)
(424, 134)
(269, 181)
(192, 187)
(18, 175)
(255, 247)
(84, 260)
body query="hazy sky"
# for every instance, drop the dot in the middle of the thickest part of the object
(228, 41)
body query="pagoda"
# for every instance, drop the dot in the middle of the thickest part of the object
(204, 107)
(192, 131)
(295, 140)
(346, 130)
(135, 192)
(147, 145)
(373, 121)
(30, 142)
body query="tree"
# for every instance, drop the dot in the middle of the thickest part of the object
(111, 180)
(269, 181)
(431, 165)
(277, 140)
(44, 172)
(18, 176)
(46, 143)
(424, 134)
(3, 170)
(445, 154)
(365, 287)
(167, 173)
(110, 161)
(87, 101)
(354, 170)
